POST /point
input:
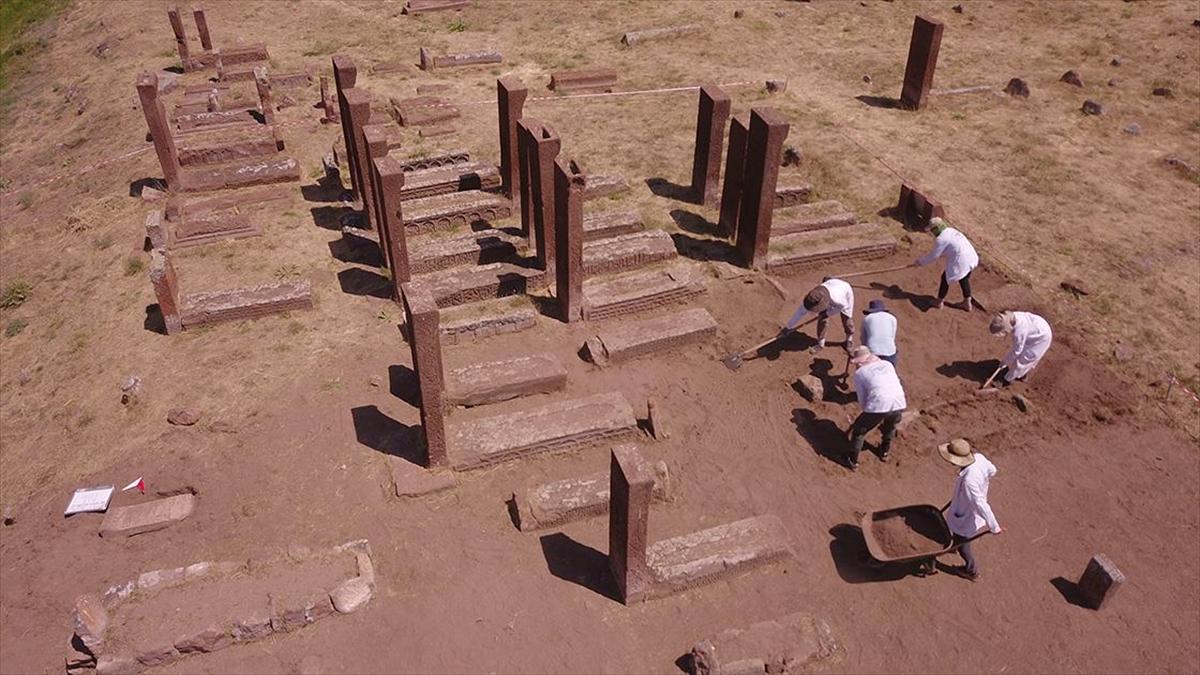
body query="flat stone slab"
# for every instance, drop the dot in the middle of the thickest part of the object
(479, 320)
(807, 250)
(239, 174)
(432, 160)
(181, 207)
(571, 499)
(634, 37)
(126, 521)
(456, 177)
(603, 185)
(456, 209)
(791, 193)
(821, 215)
(228, 146)
(554, 427)
(591, 80)
(423, 111)
(699, 558)
(640, 291)
(250, 302)
(209, 227)
(196, 120)
(422, 6)
(791, 644)
(627, 251)
(461, 285)
(610, 224)
(495, 381)
(627, 341)
(430, 61)
(433, 252)
(411, 480)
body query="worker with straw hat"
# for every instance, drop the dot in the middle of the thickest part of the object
(1031, 338)
(969, 510)
(960, 256)
(881, 397)
(832, 296)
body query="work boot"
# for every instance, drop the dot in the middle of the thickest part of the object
(967, 304)
(939, 304)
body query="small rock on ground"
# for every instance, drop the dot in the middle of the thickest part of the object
(1071, 77)
(1163, 91)
(1091, 107)
(1017, 87)
(184, 417)
(1022, 403)
(350, 595)
(1133, 129)
(811, 388)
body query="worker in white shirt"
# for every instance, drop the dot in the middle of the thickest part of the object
(960, 256)
(1031, 338)
(881, 398)
(879, 331)
(969, 511)
(833, 296)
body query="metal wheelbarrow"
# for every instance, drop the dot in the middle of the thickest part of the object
(917, 533)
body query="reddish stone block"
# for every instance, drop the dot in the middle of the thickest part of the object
(922, 59)
(568, 261)
(735, 167)
(166, 290)
(768, 130)
(916, 209)
(356, 116)
(265, 102)
(711, 116)
(210, 639)
(631, 487)
(422, 6)
(388, 174)
(423, 111)
(90, 621)
(181, 40)
(421, 317)
(329, 102)
(345, 74)
(510, 99)
(429, 61)
(591, 80)
(160, 127)
(542, 145)
(634, 37)
(374, 139)
(202, 28)
(1099, 581)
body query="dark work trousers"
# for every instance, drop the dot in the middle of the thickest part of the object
(890, 358)
(847, 325)
(967, 554)
(963, 283)
(867, 421)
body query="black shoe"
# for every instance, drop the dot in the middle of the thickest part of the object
(852, 465)
(883, 456)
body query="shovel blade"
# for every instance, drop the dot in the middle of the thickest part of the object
(733, 361)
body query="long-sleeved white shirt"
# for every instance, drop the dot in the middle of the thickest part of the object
(841, 300)
(969, 509)
(960, 255)
(878, 388)
(879, 333)
(1031, 338)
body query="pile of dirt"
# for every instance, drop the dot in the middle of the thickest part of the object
(910, 533)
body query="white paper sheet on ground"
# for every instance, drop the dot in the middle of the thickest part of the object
(90, 499)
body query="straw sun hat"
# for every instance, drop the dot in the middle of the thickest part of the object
(957, 452)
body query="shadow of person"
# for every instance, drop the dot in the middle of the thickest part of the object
(886, 102)
(136, 187)
(381, 433)
(579, 564)
(662, 187)
(834, 383)
(854, 563)
(331, 217)
(1070, 591)
(972, 371)
(922, 302)
(695, 223)
(328, 188)
(826, 439)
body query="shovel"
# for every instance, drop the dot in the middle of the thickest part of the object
(872, 272)
(735, 360)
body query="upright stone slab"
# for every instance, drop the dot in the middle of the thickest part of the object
(543, 145)
(424, 337)
(510, 99)
(735, 168)
(160, 127)
(568, 262)
(202, 28)
(1100, 581)
(711, 116)
(166, 290)
(388, 174)
(768, 129)
(922, 58)
(329, 102)
(358, 115)
(263, 85)
(181, 44)
(374, 140)
(345, 75)
(631, 488)
(917, 208)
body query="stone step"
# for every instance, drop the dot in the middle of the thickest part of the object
(558, 426)
(244, 303)
(208, 227)
(433, 252)
(468, 323)
(456, 209)
(627, 251)
(685, 562)
(590, 80)
(610, 224)
(431, 160)
(640, 291)
(441, 180)
(791, 191)
(239, 174)
(227, 146)
(603, 185)
(806, 250)
(626, 341)
(566, 501)
(813, 216)
(461, 285)
(495, 381)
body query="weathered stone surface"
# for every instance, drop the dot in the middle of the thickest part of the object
(430, 253)
(117, 664)
(813, 216)
(627, 251)
(712, 114)
(807, 250)
(458, 177)
(318, 607)
(240, 174)
(1017, 87)
(631, 486)
(565, 501)
(1133, 129)
(252, 626)
(430, 61)
(634, 37)
(431, 132)
(706, 556)
(604, 224)
(90, 620)
(923, 50)
(456, 209)
(423, 6)
(583, 81)
(777, 85)
(433, 159)
(659, 428)
(126, 521)
(423, 111)
(639, 291)
(1163, 91)
(1100, 581)
(916, 208)
(208, 227)
(603, 185)
(211, 639)
(421, 316)
(791, 193)
(412, 480)
(250, 302)
(229, 146)
(484, 319)
(1071, 77)
(181, 207)
(1091, 107)
(460, 285)
(495, 381)
(156, 654)
(623, 342)
(558, 426)
(156, 578)
(811, 387)
(760, 197)
(183, 416)
(350, 595)
(735, 168)
(791, 644)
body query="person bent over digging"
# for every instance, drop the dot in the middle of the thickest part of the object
(969, 510)
(1031, 338)
(960, 256)
(833, 296)
(881, 397)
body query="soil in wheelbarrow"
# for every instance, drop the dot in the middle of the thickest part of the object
(908, 534)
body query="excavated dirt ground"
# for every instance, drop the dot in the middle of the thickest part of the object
(300, 413)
